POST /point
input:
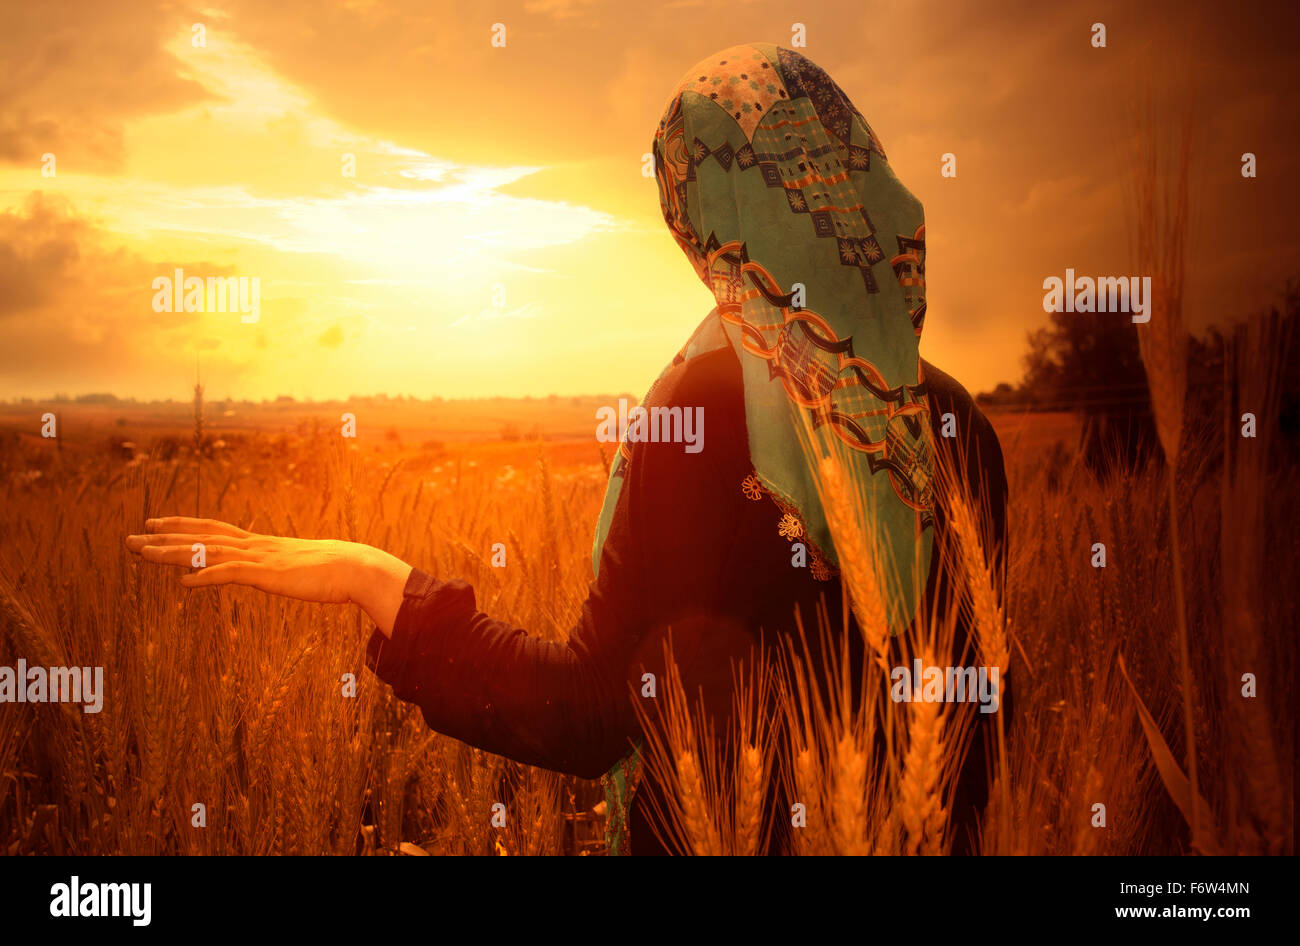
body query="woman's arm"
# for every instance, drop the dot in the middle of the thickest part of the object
(562, 706)
(667, 563)
(320, 570)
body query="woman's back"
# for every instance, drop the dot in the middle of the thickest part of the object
(711, 554)
(692, 551)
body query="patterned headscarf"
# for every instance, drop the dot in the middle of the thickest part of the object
(781, 197)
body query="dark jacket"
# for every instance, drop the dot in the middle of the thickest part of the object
(687, 549)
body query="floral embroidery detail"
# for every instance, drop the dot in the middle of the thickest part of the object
(790, 527)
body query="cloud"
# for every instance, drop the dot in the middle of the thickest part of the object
(75, 72)
(38, 249)
(76, 313)
(478, 166)
(72, 305)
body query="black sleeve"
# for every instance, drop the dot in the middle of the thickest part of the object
(568, 706)
(555, 705)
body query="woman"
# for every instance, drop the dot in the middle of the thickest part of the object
(782, 199)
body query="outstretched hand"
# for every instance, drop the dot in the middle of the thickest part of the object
(323, 570)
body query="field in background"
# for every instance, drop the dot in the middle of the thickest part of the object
(233, 700)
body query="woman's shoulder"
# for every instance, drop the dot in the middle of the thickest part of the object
(694, 412)
(708, 385)
(713, 377)
(966, 436)
(947, 396)
(939, 384)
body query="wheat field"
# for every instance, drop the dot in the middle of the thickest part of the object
(236, 701)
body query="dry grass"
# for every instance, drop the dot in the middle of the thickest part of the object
(718, 781)
(233, 699)
(1160, 212)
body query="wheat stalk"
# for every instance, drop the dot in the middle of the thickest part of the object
(749, 799)
(1255, 356)
(696, 821)
(849, 821)
(807, 791)
(920, 804)
(986, 610)
(1160, 225)
(856, 555)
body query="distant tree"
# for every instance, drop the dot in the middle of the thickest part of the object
(1090, 363)
(1005, 394)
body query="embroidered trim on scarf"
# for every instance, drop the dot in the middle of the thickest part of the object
(791, 526)
(620, 784)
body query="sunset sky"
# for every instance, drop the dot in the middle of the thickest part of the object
(521, 167)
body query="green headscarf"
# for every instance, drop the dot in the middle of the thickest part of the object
(782, 199)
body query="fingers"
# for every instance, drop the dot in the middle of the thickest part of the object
(227, 573)
(185, 531)
(185, 525)
(183, 555)
(137, 543)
